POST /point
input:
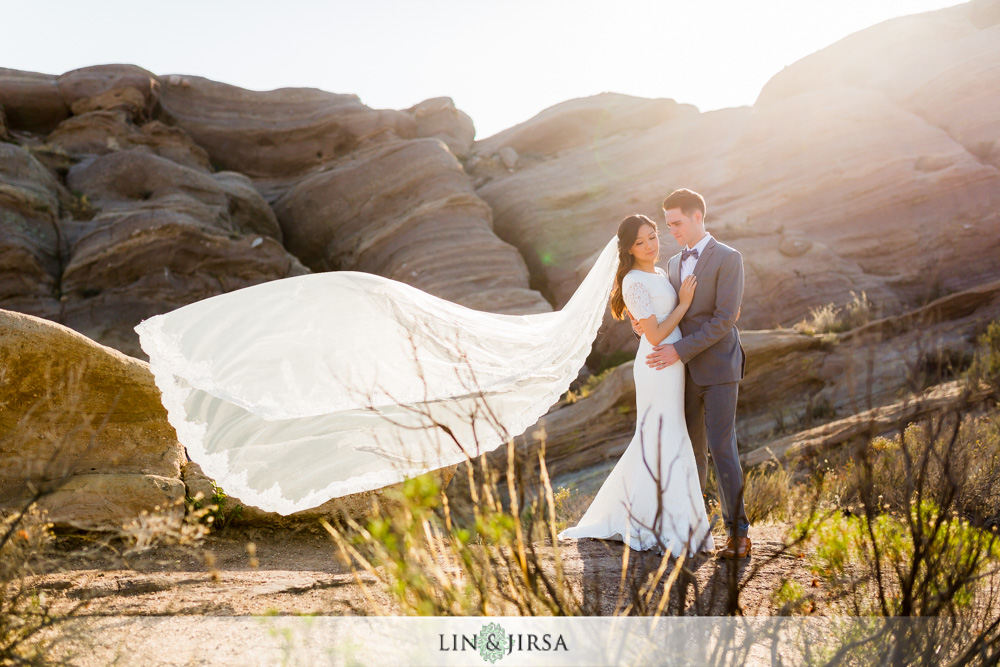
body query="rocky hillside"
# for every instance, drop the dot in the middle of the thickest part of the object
(124, 194)
(872, 165)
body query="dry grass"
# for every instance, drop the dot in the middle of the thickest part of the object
(831, 318)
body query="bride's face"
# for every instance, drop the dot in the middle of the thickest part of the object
(647, 244)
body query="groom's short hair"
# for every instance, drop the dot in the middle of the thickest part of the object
(688, 201)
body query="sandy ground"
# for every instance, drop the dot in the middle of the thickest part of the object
(178, 606)
(298, 573)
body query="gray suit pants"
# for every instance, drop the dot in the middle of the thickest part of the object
(710, 413)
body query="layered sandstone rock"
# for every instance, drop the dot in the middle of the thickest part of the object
(29, 233)
(844, 176)
(37, 102)
(105, 87)
(32, 101)
(804, 225)
(439, 118)
(84, 423)
(276, 135)
(165, 235)
(106, 131)
(153, 225)
(406, 210)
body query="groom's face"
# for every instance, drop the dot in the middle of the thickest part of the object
(686, 229)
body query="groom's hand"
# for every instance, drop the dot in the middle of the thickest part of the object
(662, 356)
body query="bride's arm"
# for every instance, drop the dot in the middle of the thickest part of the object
(655, 331)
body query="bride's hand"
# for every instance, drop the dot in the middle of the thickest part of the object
(686, 294)
(635, 324)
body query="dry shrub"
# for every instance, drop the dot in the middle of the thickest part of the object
(768, 493)
(831, 318)
(180, 525)
(962, 464)
(433, 565)
(570, 505)
(910, 536)
(26, 613)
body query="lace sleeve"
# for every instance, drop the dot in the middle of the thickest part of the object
(637, 298)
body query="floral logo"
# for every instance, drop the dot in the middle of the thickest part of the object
(493, 642)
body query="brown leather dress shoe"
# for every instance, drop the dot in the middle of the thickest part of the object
(736, 547)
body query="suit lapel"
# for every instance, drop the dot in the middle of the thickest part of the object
(703, 257)
(674, 272)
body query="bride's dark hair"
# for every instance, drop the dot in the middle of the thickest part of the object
(628, 232)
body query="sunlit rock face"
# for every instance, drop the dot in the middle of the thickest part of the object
(867, 167)
(124, 194)
(406, 210)
(83, 424)
(277, 135)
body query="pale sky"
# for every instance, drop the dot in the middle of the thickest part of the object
(502, 61)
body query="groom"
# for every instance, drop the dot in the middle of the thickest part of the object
(711, 351)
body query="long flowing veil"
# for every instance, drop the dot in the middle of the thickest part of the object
(296, 391)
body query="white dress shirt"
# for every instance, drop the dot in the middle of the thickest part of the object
(687, 266)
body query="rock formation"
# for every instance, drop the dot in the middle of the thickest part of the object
(867, 166)
(85, 423)
(126, 194)
(872, 165)
(29, 233)
(406, 210)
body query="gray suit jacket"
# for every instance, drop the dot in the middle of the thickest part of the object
(710, 347)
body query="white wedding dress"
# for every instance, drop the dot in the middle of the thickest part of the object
(652, 498)
(296, 391)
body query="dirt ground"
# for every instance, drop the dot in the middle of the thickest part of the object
(298, 573)
(188, 592)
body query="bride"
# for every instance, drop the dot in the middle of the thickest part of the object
(293, 392)
(652, 498)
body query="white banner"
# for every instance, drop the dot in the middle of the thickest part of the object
(500, 641)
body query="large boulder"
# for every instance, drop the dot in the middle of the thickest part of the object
(32, 101)
(439, 118)
(104, 87)
(84, 423)
(406, 210)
